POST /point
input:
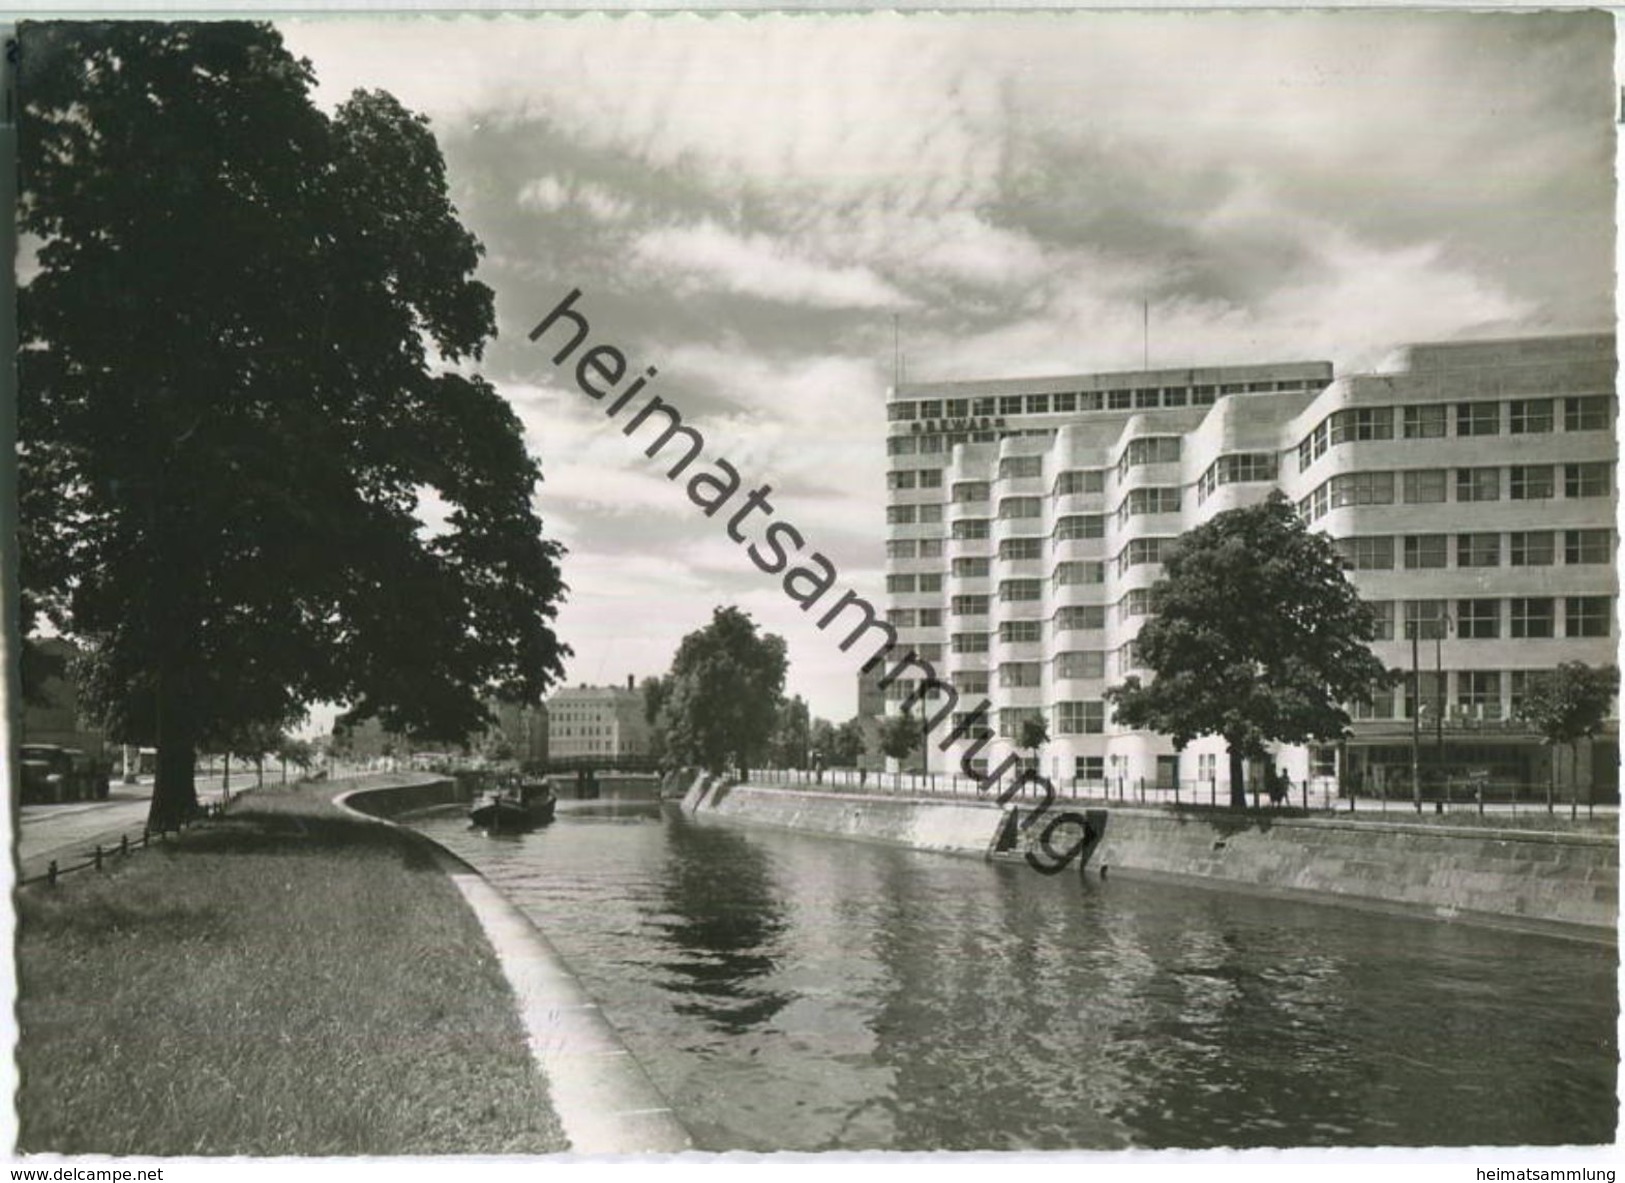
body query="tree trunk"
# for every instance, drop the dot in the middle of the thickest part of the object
(1551, 781)
(174, 788)
(1574, 781)
(1238, 784)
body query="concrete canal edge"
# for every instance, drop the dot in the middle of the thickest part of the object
(604, 1099)
(1558, 883)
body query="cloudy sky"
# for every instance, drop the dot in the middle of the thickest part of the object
(748, 203)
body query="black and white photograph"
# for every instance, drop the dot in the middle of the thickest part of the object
(686, 587)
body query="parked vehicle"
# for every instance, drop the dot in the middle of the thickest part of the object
(53, 774)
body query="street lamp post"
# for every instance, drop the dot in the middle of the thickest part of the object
(1414, 627)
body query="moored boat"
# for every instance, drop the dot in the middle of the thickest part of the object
(516, 806)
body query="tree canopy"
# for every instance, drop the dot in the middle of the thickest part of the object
(1257, 636)
(246, 389)
(722, 697)
(1566, 705)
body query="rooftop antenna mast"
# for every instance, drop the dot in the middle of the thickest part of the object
(896, 351)
(1145, 334)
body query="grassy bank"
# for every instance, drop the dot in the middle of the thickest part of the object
(289, 980)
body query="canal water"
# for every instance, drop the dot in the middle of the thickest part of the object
(795, 992)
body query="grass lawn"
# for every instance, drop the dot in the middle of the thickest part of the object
(289, 980)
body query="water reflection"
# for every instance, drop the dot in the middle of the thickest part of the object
(788, 991)
(723, 920)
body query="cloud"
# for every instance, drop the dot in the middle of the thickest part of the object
(704, 255)
(747, 201)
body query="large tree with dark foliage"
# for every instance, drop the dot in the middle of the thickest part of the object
(245, 373)
(1258, 636)
(724, 692)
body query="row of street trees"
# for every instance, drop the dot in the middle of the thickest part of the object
(246, 351)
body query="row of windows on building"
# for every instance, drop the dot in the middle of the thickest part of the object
(1421, 486)
(1489, 618)
(935, 443)
(1069, 402)
(1137, 552)
(1160, 449)
(1519, 548)
(1477, 618)
(1529, 416)
(1425, 486)
(1468, 694)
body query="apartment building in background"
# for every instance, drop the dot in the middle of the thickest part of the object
(1470, 487)
(597, 723)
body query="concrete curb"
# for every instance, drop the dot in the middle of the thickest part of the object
(603, 1098)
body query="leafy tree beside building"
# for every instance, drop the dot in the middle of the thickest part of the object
(1566, 705)
(1257, 636)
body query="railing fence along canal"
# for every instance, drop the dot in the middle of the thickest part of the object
(1317, 794)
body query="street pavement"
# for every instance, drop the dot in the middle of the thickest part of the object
(69, 833)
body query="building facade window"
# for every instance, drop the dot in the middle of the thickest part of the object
(930, 548)
(1479, 693)
(1530, 416)
(1587, 480)
(1532, 482)
(969, 643)
(1021, 632)
(902, 548)
(1478, 484)
(1016, 674)
(1478, 550)
(1532, 617)
(900, 515)
(1012, 467)
(1071, 574)
(900, 584)
(972, 492)
(1478, 418)
(1586, 616)
(1020, 507)
(1531, 548)
(1080, 618)
(1363, 423)
(1424, 551)
(1424, 486)
(1091, 525)
(1588, 546)
(1367, 553)
(1382, 612)
(1081, 663)
(1478, 620)
(1362, 488)
(968, 606)
(970, 529)
(1424, 618)
(1592, 412)
(1090, 480)
(1426, 422)
(1080, 718)
(1016, 549)
(971, 568)
(1020, 590)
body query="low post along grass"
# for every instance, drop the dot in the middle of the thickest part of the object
(288, 980)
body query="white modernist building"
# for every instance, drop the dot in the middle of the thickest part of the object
(1469, 485)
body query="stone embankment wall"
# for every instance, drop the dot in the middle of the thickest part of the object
(1543, 876)
(402, 793)
(1541, 879)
